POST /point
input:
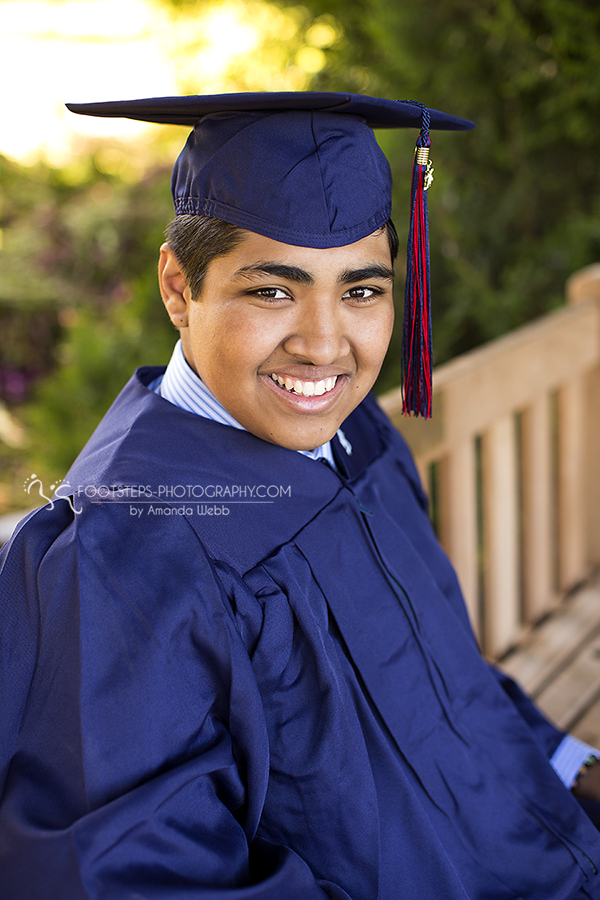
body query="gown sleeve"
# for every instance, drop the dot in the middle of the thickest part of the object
(133, 750)
(547, 734)
(427, 544)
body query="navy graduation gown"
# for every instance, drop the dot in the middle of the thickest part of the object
(234, 673)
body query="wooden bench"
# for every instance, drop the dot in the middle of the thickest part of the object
(558, 664)
(511, 462)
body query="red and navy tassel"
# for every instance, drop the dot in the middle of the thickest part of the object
(416, 335)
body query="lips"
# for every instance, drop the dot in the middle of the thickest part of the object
(305, 388)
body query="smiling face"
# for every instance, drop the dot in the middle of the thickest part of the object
(289, 339)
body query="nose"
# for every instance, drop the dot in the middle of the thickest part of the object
(318, 336)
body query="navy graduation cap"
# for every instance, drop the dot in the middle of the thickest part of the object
(305, 168)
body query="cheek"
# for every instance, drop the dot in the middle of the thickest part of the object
(375, 337)
(238, 342)
(246, 343)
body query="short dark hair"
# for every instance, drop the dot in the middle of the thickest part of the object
(392, 236)
(197, 240)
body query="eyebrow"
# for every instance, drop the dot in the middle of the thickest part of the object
(277, 270)
(351, 276)
(301, 276)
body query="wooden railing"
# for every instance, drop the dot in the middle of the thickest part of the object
(511, 461)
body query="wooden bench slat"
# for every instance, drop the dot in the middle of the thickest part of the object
(556, 643)
(571, 694)
(538, 544)
(501, 616)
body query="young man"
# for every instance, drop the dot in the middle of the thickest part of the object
(235, 662)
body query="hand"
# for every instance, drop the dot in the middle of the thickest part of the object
(588, 785)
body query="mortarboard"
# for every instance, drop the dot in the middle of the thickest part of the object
(305, 168)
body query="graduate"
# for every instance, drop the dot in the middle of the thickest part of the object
(235, 662)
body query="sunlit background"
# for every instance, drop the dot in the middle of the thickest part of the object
(56, 51)
(514, 208)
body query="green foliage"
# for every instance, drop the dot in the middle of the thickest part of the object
(515, 207)
(79, 299)
(72, 237)
(98, 355)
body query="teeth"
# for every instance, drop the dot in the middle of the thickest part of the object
(305, 388)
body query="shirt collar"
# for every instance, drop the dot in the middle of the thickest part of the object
(181, 386)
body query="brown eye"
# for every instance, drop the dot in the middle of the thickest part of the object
(270, 294)
(361, 293)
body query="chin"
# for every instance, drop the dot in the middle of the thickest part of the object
(310, 443)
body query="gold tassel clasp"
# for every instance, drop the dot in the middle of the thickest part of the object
(423, 160)
(428, 176)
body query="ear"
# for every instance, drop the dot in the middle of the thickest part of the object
(174, 289)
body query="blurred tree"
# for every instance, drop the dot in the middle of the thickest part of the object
(70, 237)
(79, 301)
(515, 207)
(98, 355)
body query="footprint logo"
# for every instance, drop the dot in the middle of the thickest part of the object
(34, 481)
(56, 487)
